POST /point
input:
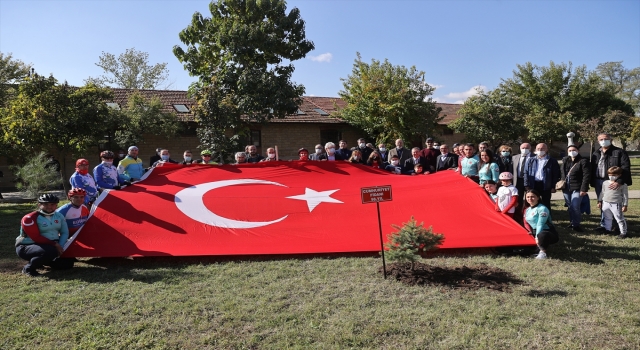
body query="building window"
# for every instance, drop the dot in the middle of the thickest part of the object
(330, 136)
(255, 138)
(181, 108)
(320, 111)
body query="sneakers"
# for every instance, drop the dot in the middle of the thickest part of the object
(577, 229)
(30, 272)
(621, 236)
(541, 256)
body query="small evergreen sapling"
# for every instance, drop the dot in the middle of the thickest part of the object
(406, 244)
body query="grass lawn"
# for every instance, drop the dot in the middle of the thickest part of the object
(584, 296)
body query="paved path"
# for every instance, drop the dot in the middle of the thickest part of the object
(19, 197)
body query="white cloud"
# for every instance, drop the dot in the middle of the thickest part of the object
(436, 86)
(459, 97)
(325, 57)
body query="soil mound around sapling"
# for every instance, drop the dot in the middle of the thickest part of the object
(465, 277)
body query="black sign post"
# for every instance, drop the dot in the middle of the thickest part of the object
(376, 195)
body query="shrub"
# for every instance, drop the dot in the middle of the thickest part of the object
(406, 244)
(35, 177)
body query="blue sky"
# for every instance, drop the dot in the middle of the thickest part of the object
(458, 44)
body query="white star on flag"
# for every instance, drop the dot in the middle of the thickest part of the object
(314, 198)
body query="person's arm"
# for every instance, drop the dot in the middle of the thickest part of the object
(122, 174)
(29, 227)
(625, 164)
(543, 216)
(495, 172)
(98, 173)
(625, 196)
(526, 223)
(64, 232)
(586, 176)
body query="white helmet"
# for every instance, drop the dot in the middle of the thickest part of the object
(506, 176)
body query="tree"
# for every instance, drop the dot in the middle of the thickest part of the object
(131, 70)
(11, 73)
(239, 57)
(410, 239)
(489, 116)
(47, 116)
(142, 116)
(35, 177)
(625, 83)
(388, 102)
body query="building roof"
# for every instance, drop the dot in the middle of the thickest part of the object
(313, 109)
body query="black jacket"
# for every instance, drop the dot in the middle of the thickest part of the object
(580, 176)
(614, 156)
(451, 162)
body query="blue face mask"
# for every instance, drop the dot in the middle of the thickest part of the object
(188, 159)
(505, 154)
(165, 157)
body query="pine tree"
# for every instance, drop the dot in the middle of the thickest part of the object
(412, 238)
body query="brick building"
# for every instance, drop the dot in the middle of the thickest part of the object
(311, 125)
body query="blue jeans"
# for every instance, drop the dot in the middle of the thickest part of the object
(573, 201)
(598, 186)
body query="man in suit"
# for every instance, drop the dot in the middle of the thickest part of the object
(519, 162)
(402, 153)
(384, 153)
(409, 164)
(446, 160)
(542, 173)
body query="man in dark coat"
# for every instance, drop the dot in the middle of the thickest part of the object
(542, 174)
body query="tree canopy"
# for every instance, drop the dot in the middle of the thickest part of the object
(12, 72)
(388, 101)
(242, 57)
(131, 70)
(624, 82)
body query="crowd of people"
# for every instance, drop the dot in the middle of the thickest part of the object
(520, 185)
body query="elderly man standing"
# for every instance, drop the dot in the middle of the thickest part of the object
(131, 168)
(542, 173)
(253, 156)
(605, 157)
(402, 153)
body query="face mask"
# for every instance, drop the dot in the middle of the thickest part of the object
(505, 154)
(395, 162)
(382, 149)
(573, 154)
(613, 178)
(540, 153)
(332, 150)
(605, 143)
(107, 163)
(362, 145)
(188, 159)
(271, 155)
(524, 151)
(164, 157)
(318, 150)
(121, 155)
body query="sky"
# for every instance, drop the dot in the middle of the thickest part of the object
(460, 45)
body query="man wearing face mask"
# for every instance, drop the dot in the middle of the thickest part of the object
(318, 152)
(271, 155)
(604, 158)
(541, 174)
(106, 174)
(519, 162)
(187, 157)
(384, 155)
(156, 157)
(331, 154)
(82, 179)
(165, 157)
(364, 150)
(394, 165)
(120, 156)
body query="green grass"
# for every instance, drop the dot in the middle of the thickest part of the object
(585, 296)
(635, 174)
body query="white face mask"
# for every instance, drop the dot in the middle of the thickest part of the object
(394, 162)
(271, 155)
(107, 163)
(332, 150)
(318, 150)
(540, 153)
(613, 178)
(121, 155)
(605, 143)
(362, 145)
(573, 154)
(382, 149)
(524, 151)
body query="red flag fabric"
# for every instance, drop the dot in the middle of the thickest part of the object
(284, 208)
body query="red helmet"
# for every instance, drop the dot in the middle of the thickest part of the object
(106, 154)
(76, 191)
(81, 161)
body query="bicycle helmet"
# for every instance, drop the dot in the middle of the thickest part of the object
(506, 176)
(48, 198)
(76, 191)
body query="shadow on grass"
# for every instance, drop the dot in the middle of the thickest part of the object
(534, 293)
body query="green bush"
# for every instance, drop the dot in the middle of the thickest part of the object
(406, 244)
(34, 178)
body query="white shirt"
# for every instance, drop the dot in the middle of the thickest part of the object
(504, 197)
(541, 163)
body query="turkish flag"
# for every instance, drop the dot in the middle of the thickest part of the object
(284, 208)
